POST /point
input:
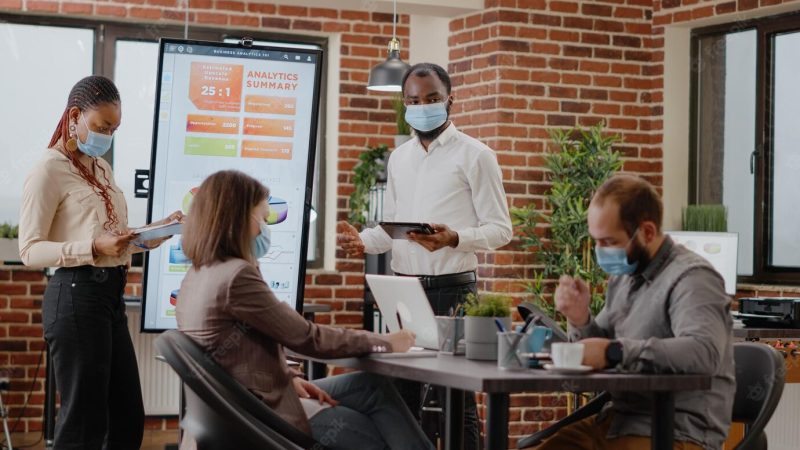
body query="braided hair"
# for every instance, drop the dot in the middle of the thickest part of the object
(89, 93)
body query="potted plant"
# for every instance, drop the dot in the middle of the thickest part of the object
(370, 170)
(9, 245)
(705, 218)
(558, 235)
(480, 329)
(403, 129)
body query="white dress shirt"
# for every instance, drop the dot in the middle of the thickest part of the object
(456, 182)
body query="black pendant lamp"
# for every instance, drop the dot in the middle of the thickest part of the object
(388, 75)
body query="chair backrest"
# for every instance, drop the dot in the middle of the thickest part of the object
(220, 412)
(760, 374)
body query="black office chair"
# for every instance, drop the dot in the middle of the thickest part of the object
(760, 373)
(220, 413)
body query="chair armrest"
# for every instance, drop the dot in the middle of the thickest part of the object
(593, 407)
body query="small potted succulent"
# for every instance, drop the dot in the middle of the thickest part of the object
(480, 328)
(9, 245)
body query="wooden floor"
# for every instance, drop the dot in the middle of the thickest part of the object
(153, 440)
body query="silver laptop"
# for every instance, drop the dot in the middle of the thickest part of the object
(404, 305)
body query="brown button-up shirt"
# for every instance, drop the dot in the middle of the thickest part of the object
(673, 317)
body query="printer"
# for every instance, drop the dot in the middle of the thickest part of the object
(769, 312)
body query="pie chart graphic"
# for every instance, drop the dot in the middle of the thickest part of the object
(187, 199)
(278, 210)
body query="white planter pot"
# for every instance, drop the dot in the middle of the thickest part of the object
(9, 250)
(480, 334)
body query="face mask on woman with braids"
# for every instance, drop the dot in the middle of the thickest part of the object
(92, 115)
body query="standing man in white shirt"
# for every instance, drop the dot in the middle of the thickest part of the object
(451, 181)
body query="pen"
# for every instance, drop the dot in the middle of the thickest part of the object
(500, 325)
(399, 322)
(527, 324)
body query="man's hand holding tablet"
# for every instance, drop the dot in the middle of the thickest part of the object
(403, 230)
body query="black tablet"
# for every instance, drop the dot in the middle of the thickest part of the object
(400, 230)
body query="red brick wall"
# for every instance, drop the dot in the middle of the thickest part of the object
(21, 342)
(521, 67)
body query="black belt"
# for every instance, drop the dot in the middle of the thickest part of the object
(443, 281)
(82, 274)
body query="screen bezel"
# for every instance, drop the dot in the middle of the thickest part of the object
(312, 144)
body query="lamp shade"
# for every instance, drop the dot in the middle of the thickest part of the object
(388, 75)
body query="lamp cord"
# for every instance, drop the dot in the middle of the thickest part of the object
(394, 21)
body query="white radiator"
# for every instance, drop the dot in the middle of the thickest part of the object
(782, 430)
(160, 385)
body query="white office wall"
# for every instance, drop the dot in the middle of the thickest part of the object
(676, 124)
(428, 40)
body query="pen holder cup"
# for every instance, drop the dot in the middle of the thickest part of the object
(512, 350)
(451, 335)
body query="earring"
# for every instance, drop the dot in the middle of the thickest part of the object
(72, 143)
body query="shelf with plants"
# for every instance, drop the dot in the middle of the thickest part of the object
(9, 244)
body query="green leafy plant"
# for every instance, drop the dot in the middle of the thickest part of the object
(558, 236)
(487, 305)
(372, 163)
(705, 218)
(8, 231)
(400, 116)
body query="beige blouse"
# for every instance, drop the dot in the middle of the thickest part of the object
(61, 214)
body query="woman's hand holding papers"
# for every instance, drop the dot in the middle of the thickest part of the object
(176, 216)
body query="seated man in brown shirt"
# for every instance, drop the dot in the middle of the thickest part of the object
(666, 311)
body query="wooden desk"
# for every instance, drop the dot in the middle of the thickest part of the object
(459, 374)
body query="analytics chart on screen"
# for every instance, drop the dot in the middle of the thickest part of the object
(232, 106)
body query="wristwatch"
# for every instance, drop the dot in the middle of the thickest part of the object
(614, 353)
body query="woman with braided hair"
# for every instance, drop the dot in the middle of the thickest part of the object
(74, 217)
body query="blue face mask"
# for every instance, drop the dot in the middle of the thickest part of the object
(614, 260)
(426, 117)
(262, 242)
(97, 144)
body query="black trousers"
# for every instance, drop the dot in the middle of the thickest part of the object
(441, 301)
(86, 329)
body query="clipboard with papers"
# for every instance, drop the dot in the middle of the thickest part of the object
(148, 233)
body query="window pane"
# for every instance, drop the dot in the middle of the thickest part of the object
(135, 70)
(41, 64)
(786, 151)
(726, 132)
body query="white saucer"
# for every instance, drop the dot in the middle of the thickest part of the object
(568, 370)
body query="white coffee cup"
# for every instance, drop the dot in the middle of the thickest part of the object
(566, 354)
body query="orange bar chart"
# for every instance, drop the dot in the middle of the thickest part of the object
(270, 105)
(197, 123)
(268, 127)
(266, 150)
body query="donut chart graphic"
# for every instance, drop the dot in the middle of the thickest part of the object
(278, 210)
(187, 199)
